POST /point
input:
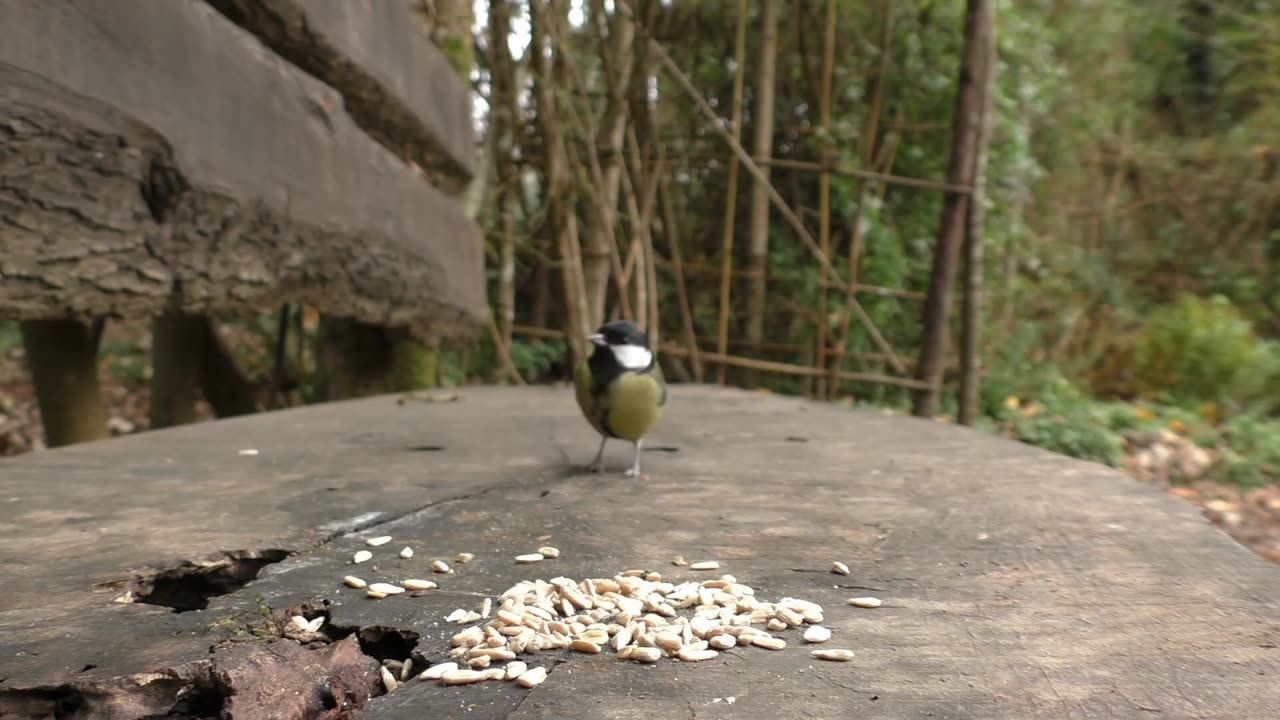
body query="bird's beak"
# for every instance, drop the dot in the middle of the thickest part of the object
(596, 339)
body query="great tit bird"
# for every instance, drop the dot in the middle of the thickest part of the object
(620, 388)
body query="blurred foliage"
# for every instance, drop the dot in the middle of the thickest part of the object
(1197, 350)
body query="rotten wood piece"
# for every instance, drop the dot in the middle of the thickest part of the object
(1016, 583)
(158, 158)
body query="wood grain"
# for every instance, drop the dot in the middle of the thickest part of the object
(1017, 583)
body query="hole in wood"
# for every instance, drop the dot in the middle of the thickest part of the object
(191, 585)
(425, 448)
(387, 643)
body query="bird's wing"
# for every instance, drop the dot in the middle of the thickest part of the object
(658, 377)
(592, 404)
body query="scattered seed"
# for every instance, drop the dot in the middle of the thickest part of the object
(705, 565)
(865, 602)
(406, 670)
(688, 654)
(464, 558)
(456, 615)
(376, 541)
(480, 663)
(585, 646)
(467, 638)
(388, 679)
(387, 588)
(833, 654)
(679, 561)
(817, 634)
(406, 553)
(485, 607)
(723, 642)
(549, 552)
(462, 677)
(776, 625)
(435, 671)
(768, 641)
(375, 594)
(361, 556)
(530, 558)
(299, 622)
(440, 566)
(839, 568)
(532, 677)
(645, 654)
(416, 584)
(515, 669)
(354, 582)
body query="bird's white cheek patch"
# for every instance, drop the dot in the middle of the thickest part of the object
(632, 357)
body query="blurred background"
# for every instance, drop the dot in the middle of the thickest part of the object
(1056, 221)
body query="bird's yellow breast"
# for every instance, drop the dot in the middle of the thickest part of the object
(627, 409)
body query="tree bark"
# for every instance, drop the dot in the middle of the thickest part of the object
(937, 307)
(759, 227)
(177, 351)
(63, 355)
(971, 330)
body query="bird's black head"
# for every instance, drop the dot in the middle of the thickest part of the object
(620, 333)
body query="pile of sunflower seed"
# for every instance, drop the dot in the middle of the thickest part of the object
(636, 615)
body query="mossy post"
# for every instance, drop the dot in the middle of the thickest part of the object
(63, 355)
(177, 345)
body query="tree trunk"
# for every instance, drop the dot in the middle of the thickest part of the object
(824, 195)
(506, 173)
(759, 228)
(937, 308)
(731, 193)
(177, 349)
(556, 184)
(971, 330)
(63, 355)
(615, 51)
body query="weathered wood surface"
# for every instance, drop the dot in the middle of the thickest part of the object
(1017, 583)
(394, 82)
(155, 156)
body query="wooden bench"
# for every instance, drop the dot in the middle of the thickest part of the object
(156, 157)
(1016, 583)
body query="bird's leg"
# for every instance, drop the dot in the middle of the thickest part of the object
(635, 464)
(597, 465)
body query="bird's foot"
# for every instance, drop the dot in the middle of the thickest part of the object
(631, 472)
(596, 467)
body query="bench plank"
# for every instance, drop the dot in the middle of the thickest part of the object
(157, 157)
(395, 83)
(1017, 583)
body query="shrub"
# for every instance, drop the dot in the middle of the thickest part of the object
(1197, 350)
